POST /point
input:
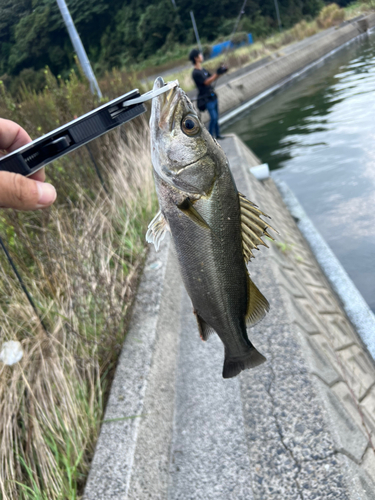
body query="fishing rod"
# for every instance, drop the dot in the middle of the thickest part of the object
(23, 286)
(237, 23)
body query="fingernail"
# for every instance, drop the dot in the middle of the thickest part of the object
(47, 194)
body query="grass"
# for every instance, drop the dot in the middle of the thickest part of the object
(80, 261)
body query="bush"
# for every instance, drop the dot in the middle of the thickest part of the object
(239, 37)
(207, 49)
(30, 79)
(303, 30)
(331, 15)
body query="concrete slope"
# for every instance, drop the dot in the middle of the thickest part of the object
(298, 427)
(209, 458)
(318, 389)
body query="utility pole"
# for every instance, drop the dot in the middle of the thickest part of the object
(196, 31)
(278, 15)
(79, 48)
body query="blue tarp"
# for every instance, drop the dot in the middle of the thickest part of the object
(219, 48)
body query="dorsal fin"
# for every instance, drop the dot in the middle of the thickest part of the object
(257, 305)
(157, 230)
(252, 226)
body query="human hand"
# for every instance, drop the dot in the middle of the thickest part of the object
(17, 191)
(221, 70)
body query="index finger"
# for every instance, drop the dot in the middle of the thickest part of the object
(12, 137)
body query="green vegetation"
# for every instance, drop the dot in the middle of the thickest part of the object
(80, 260)
(135, 35)
(125, 34)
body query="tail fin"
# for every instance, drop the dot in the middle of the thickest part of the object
(233, 365)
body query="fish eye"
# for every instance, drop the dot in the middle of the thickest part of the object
(190, 125)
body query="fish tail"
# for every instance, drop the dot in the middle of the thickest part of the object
(233, 365)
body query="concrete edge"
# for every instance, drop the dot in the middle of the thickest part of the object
(268, 92)
(357, 310)
(152, 457)
(112, 464)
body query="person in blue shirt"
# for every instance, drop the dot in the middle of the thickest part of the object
(207, 99)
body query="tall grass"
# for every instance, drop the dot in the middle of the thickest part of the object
(80, 261)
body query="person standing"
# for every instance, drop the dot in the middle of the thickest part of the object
(207, 99)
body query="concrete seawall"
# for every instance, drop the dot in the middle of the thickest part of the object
(245, 85)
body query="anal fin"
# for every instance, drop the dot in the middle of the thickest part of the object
(257, 305)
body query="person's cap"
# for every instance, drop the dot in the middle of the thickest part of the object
(193, 54)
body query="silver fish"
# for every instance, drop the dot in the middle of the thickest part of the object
(214, 228)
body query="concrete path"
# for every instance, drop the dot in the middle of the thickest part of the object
(298, 427)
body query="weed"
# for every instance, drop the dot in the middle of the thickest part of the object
(330, 15)
(80, 261)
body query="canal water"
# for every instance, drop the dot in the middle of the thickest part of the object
(318, 135)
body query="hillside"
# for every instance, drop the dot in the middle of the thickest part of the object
(121, 34)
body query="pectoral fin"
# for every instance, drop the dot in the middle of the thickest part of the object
(188, 209)
(157, 230)
(253, 227)
(257, 305)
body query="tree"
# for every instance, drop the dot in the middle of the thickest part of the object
(120, 32)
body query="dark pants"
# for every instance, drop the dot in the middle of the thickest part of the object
(212, 108)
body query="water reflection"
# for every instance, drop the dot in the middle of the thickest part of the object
(319, 135)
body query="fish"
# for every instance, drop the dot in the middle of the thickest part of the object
(214, 228)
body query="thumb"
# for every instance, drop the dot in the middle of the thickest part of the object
(21, 193)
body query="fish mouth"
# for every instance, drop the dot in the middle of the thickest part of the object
(164, 106)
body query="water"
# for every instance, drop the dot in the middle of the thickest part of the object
(319, 136)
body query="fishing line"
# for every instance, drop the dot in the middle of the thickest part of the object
(242, 11)
(237, 23)
(23, 286)
(98, 173)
